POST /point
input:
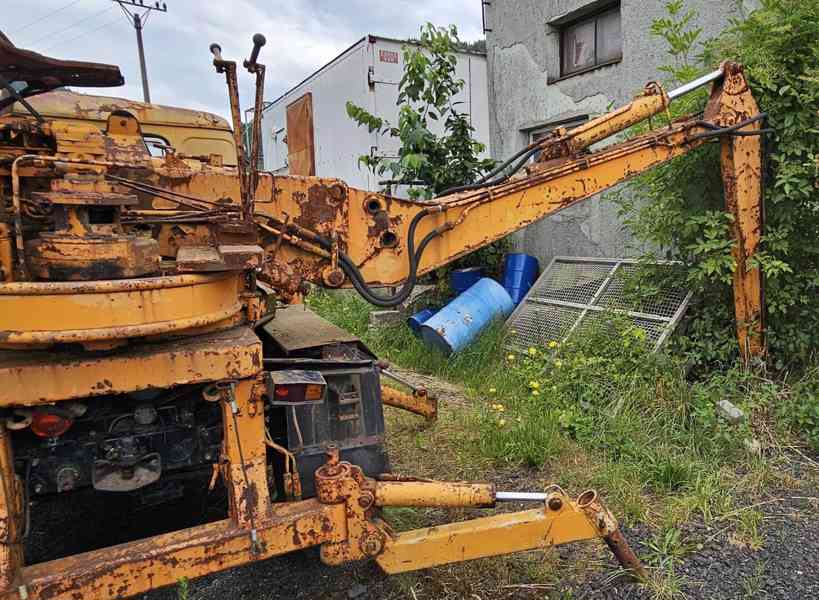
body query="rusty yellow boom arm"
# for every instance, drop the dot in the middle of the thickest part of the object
(325, 232)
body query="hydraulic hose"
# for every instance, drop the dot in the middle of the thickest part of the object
(485, 180)
(357, 280)
(369, 294)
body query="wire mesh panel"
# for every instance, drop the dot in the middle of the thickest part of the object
(541, 324)
(576, 294)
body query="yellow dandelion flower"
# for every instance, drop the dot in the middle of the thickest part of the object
(510, 357)
(532, 351)
(534, 385)
(535, 393)
(553, 344)
(492, 390)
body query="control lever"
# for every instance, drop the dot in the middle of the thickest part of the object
(258, 41)
(228, 67)
(255, 68)
(216, 50)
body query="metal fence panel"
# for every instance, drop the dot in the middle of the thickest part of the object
(573, 293)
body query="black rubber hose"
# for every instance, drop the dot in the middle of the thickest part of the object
(733, 129)
(357, 280)
(369, 294)
(530, 149)
(383, 301)
(484, 181)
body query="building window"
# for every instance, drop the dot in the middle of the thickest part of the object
(591, 42)
(542, 131)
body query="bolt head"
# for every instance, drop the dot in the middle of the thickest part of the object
(333, 277)
(555, 503)
(365, 501)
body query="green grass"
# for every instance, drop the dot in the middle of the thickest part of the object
(604, 412)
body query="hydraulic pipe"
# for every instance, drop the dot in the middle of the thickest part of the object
(419, 402)
(434, 494)
(653, 101)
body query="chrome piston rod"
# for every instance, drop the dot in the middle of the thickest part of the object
(693, 85)
(521, 496)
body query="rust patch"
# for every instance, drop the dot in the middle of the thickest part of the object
(319, 208)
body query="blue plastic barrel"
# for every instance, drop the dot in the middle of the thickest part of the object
(519, 274)
(458, 323)
(463, 279)
(418, 319)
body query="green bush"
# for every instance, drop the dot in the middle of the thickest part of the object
(430, 163)
(679, 207)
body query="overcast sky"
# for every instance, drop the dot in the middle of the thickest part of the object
(302, 35)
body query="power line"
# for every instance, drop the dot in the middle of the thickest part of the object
(84, 33)
(44, 17)
(138, 22)
(72, 26)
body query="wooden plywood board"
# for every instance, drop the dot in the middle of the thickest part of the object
(301, 155)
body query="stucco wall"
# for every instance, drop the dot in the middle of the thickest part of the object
(523, 56)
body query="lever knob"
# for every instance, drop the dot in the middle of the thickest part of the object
(258, 41)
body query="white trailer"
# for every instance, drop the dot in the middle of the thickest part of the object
(306, 131)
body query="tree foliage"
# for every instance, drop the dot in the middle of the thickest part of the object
(679, 207)
(428, 161)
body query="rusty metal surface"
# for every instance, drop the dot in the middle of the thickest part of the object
(56, 257)
(43, 73)
(434, 493)
(187, 205)
(6, 253)
(258, 69)
(244, 460)
(137, 567)
(419, 402)
(224, 257)
(40, 377)
(621, 550)
(188, 132)
(66, 104)
(229, 69)
(495, 535)
(741, 166)
(11, 514)
(62, 312)
(342, 484)
(299, 328)
(562, 143)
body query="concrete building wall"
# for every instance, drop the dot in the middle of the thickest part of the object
(523, 54)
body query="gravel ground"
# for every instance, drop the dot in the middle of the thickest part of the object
(784, 568)
(717, 565)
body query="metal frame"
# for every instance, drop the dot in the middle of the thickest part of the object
(616, 263)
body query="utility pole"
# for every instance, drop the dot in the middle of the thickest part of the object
(138, 21)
